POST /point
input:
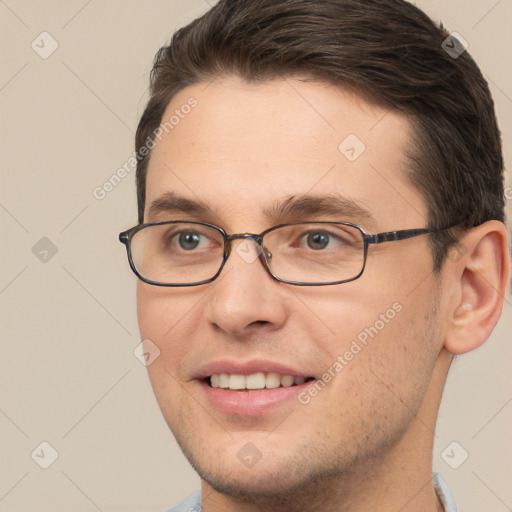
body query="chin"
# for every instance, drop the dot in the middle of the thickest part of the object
(254, 484)
(251, 484)
(274, 476)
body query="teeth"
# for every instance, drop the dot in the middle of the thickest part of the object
(223, 380)
(254, 381)
(272, 381)
(286, 380)
(236, 382)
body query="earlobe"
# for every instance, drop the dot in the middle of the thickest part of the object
(481, 276)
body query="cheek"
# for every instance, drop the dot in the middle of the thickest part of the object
(396, 362)
(383, 339)
(163, 313)
(169, 319)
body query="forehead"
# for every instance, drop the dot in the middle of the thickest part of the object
(243, 147)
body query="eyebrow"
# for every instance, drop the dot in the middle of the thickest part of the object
(172, 203)
(288, 210)
(296, 208)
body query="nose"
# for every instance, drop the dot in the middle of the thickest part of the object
(245, 299)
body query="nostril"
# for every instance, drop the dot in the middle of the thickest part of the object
(258, 323)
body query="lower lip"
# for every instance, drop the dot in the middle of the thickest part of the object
(255, 402)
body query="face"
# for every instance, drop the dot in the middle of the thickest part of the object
(359, 354)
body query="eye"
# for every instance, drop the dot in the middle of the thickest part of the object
(318, 240)
(189, 241)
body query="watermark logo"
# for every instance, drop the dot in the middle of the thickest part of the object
(352, 147)
(146, 352)
(44, 455)
(44, 250)
(249, 250)
(249, 455)
(44, 45)
(455, 45)
(454, 455)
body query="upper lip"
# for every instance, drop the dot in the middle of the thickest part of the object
(249, 367)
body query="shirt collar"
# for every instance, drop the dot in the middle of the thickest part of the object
(444, 493)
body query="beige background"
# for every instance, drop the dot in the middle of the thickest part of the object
(68, 375)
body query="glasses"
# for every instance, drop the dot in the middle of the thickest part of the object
(181, 253)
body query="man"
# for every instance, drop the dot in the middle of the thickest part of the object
(320, 187)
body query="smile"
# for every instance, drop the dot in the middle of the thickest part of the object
(260, 380)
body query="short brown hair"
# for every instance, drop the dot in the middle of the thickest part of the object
(388, 48)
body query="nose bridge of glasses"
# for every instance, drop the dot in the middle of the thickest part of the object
(245, 236)
(249, 252)
(257, 239)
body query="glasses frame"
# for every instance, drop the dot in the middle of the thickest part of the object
(389, 236)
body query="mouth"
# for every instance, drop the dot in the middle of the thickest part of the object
(254, 381)
(251, 388)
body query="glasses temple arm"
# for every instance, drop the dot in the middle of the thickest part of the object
(391, 236)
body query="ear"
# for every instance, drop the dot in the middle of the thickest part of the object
(479, 276)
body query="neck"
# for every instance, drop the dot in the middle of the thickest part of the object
(400, 479)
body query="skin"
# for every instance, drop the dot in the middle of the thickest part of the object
(365, 441)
